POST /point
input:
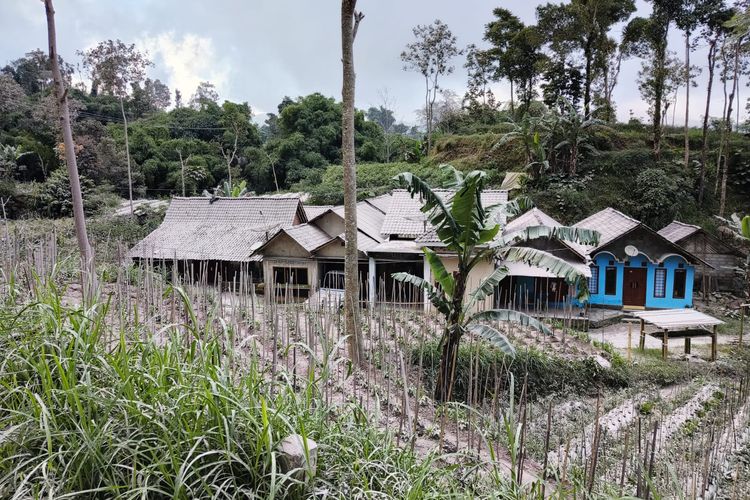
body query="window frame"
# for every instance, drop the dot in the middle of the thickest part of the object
(594, 281)
(663, 272)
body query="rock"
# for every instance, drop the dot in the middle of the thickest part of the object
(292, 457)
(602, 362)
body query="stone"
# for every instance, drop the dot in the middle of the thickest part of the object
(292, 457)
(602, 362)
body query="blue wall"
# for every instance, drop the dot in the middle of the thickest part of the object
(671, 263)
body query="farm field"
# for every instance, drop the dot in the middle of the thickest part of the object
(185, 387)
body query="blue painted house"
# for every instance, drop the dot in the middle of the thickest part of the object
(634, 266)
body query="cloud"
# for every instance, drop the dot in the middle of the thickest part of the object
(188, 60)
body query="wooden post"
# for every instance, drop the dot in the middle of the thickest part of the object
(665, 344)
(630, 340)
(742, 321)
(642, 343)
(687, 345)
(713, 343)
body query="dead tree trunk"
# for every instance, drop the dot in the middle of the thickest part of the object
(88, 269)
(350, 20)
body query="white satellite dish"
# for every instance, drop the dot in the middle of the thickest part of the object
(631, 251)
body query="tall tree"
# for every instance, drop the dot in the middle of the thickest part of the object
(501, 33)
(350, 20)
(712, 31)
(88, 267)
(383, 116)
(691, 15)
(113, 67)
(584, 25)
(479, 99)
(430, 55)
(647, 38)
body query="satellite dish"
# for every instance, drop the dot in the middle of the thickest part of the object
(631, 251)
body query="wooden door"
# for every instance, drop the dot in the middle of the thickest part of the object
(634, 287)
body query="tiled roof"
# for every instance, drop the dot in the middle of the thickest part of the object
(533, 217)
(381, 202)
(677, 231)
(369, 219)
(227, 229)
(308, 236)
(405, 218)
(610, 223)
(313, 211)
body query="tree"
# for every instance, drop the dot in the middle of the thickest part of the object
(576, 131)
(12, 97)
(586, 23)
(205, 95)
(33, 72)
(647, 38)
(470, 230)
(430, 55)
(383, 116)
(713, 30)
(479, 98)
(692, 14)
(501, 33)
(350, 20)
(113, 67)
(153, 96)
(235, 118)
(88, 267)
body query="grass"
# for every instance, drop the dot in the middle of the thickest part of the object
(82, 416)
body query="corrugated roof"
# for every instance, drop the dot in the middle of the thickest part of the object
(533, 217)
(227, 229)
(313, 211)
(677, 318)
(610, 223)
(677, 231)
(405, 218)
(397, 246)
(523, 269)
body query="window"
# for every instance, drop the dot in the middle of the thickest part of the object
(290, 275)
(660, 283)
(594, 280)
(680, 278)
(610, 281)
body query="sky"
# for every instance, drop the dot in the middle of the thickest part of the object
(259, 51)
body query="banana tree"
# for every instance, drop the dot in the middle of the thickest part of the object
(471, 231)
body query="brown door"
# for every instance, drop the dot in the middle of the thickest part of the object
(634, 287)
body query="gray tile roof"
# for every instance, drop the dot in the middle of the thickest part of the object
(381, 202)
(404, 217)
(677, 231)
(533, 217)
(369, 219)
(313, 211)
(229, 229)
(610, 223)
(309, 236)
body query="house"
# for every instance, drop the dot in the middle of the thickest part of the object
(216, 238)
(722, 256)
(533, 287)
(297, 260)
(634, 266)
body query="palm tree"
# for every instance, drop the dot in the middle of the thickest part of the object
(468, 228)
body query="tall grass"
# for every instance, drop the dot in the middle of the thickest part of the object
(86, 417)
